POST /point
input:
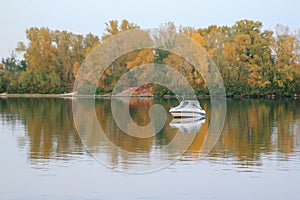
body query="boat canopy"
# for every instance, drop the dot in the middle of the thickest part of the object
(189, 104)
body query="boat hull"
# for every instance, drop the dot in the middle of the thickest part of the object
(188, 109)
(187, 114)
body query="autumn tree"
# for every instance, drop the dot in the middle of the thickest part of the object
(113, 27)
(61, 52)
(285, 59)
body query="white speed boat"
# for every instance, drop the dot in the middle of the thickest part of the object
(188, 108)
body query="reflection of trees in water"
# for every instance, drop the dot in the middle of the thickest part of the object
(256, 127)
(49, 127)
(252, 128)
(139, 110)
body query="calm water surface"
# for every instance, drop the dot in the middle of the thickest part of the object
(257, 156)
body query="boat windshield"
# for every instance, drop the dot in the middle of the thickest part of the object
(189, 104)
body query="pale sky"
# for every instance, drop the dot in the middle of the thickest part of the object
(82, 17)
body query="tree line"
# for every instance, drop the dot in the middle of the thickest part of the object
(252, 61)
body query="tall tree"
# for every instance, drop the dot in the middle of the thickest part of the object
(113, 28)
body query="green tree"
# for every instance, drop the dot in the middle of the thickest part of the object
(11, 64)
(3, 83)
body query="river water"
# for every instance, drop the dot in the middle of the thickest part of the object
(46, 155)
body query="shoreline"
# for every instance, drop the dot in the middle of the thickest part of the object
(70, 95)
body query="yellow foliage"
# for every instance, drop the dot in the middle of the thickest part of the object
(198, 81)
(174, 61)
(198, 38)
(76, 66)
(108, 72)
(242, 42)
(103, 76)
(211, 52)
(280, 83)
(145, 56)
(228, 52)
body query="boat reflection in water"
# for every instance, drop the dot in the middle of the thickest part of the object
(188, 125)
